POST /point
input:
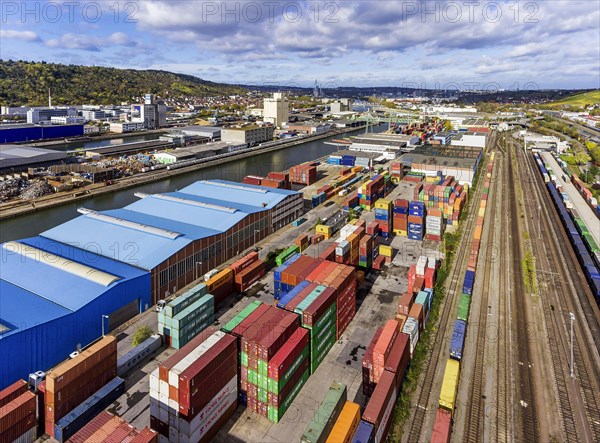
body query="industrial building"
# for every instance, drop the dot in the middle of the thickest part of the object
(19, 156)
(276, 110)
(471, 139)
(211, 132)
(250, 134)
(56, 298)
(119, 262)
(459, 162)
(29, 132)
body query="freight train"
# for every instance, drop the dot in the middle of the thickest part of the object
(589, 260)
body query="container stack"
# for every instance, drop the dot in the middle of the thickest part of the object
(18, 414)
(195, 391)
(370, 192)
(444, 194)
(327, 414)
(302, 242)
(387, 252)
(342, 252)
(365, 258)
(274, 360)
(343, 279)
(328, 253)
(364, 162)
(325, 230)
(416, 219)
(285, 255)
(71, 383)
(434, 224)
(220, 285)
(186, 316)
(304, 174)
(282, 177)
(249, 276)
(380, 408)
(383, 347)
(107, 427)
(318, 312)
(344, 428)
(368, 373)
(384, 216)
(397, 171)
(354, 240)
(351, 201)
(400, 217)
(411, 328)
(347, 160)
(293, 273)
(399, 359)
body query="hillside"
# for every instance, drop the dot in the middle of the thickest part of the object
(577, 100)
(26, 83)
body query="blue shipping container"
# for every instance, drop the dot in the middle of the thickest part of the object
(67, 426)
(458, 340)
(364, 433)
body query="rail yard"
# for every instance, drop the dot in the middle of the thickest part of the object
(450, 322)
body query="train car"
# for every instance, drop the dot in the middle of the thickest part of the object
(449, 385)
(457, 342)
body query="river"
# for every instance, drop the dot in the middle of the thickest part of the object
(29, 225)
(87, 144)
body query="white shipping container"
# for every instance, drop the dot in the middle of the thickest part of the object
(154, 380)
(431, 262)
(176, 371)
(28, 436)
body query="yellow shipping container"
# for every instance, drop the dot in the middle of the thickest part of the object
(483, 204)
(382, 203)
(219, 279)
(357, 169)
(449, 385)
(344, 428)
(481, 212)
(478, 231)
(386, 251)
(401, 232)
(323, 229)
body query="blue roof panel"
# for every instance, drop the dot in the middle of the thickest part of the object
(20, 309)
(134, 247)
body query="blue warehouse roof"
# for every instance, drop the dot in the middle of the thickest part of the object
(141, 234)
(42, 280)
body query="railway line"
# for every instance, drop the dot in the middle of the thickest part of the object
(415, 430)
(566, 292)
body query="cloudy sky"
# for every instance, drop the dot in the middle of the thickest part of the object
(434, 44)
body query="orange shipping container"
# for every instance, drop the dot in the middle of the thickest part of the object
(344, 428)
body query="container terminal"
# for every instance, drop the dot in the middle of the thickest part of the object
(286, 315)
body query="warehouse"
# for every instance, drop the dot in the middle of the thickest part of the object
(18, 156)
(179, 235)
(54, 298)
(22, 133)
(459, 162)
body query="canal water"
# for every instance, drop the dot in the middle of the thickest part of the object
(29, 225)
(87, 144)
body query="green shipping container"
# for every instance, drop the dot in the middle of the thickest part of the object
(463, 307)
(327, 414)
(275, 414)
(252, 377)
(263, 367)
(262, 394)
(178, 304)
(309, 299)
(276, 386)
(324, 320)
(286, 254)
(243, 358)
(235, 321)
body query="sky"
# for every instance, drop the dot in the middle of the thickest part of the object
(427, 44)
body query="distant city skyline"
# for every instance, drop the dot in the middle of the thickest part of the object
(425, 44)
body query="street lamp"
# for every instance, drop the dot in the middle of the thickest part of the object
(103, 317)
(572, 362)
(196, 270)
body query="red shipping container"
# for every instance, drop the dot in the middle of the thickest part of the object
(145, 436)
(169, 363)
(378, 262)
(367, 362)
(430, 278)
(399, 358)
(441, 426)
(417, 312)
(405, 303)
(380, 407)
(419, 284)
(249, 276)
(318, 307)
(281, 332)
(244, 262)
(240, 329)
(91, 427)
(282, 360)
(159, 426)
(257, 329)
(373, 228)
(13, 391)
(17, 410)
(383, 347)
(18, 429)
(329, 253)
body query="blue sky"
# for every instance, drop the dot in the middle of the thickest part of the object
(432, 44)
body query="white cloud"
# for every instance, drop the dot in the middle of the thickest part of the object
(90, 43)
(29, 36)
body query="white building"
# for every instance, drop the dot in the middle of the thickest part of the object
(471, 139)
(276, 110)
(250, 135)
(67, 120)
(342, 105)
(122, 127)
(37, 115)
(91, 129)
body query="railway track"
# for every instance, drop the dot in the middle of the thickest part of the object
(528, 429)
(578, 400)
(475, 409)
(416, 427)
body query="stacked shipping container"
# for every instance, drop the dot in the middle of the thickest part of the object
(106, 427)
(304, 174)
(400, 215)
(416, 219)
(384, 216)
(327, 414)
(17, 414)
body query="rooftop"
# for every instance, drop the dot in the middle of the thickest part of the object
(17, 155)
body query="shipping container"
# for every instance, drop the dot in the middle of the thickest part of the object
(441, 427)
(399, 358)
(231, 324)
(379, 409)
(458, 339)
(449, 385)
(326, 415)
(13, 391)
(344, 428)
(364, 433)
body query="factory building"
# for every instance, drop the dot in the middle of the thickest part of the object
(276, 109)
(102, 268)
(249, 135)
(179, 235)
(20, 156)
(56, 298)
(459, 162)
